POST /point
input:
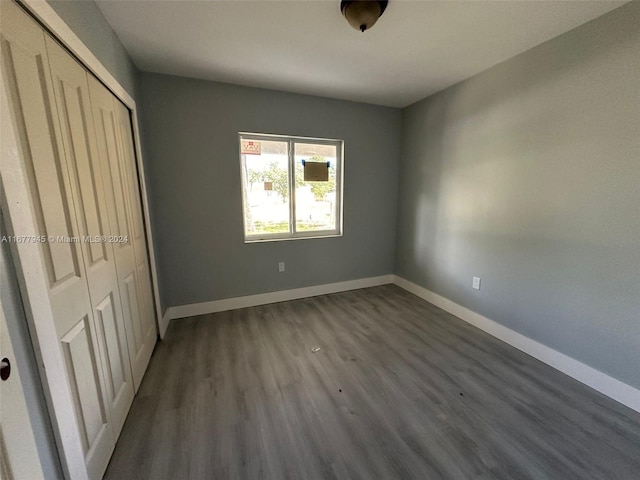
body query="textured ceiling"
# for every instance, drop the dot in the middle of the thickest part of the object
(305, 46)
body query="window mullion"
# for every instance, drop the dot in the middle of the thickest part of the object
(292, 189)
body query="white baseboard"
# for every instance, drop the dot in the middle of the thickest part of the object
(164, 323)
(603, 383)
(203, 308)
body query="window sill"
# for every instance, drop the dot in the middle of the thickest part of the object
(282, 239)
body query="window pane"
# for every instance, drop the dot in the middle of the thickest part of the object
(266, 177)
(316, 201)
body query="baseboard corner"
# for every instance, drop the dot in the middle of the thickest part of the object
(600, 381)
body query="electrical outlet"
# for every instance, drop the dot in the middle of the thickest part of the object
(281, 267)
(476, 283)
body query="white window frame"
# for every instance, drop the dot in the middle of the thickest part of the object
(292, 234)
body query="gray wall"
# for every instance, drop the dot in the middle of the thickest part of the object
(190, 129)
(88, 23)
(528, 176)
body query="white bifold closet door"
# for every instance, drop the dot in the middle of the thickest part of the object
(113, 127)
(71, 92)
(73, 184)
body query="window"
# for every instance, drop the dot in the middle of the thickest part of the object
(291, 187)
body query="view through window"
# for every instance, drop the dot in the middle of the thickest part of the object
(291, 187)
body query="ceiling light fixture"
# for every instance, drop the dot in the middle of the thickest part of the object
(362, 14)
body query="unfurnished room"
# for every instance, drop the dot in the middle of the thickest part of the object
(320, 239)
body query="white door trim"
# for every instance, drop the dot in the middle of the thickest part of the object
(18, 451)
(48, 17)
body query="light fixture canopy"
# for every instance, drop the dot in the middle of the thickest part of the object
(362, 14)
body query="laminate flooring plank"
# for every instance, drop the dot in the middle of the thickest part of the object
(399, 389)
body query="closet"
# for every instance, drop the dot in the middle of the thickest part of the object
(71, 188)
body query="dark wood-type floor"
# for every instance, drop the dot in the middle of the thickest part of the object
(399, 390)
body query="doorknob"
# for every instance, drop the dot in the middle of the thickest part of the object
(5, 368)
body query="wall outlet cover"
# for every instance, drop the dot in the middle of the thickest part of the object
(476, 283)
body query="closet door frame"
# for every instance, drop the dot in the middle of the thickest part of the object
(41, 10)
